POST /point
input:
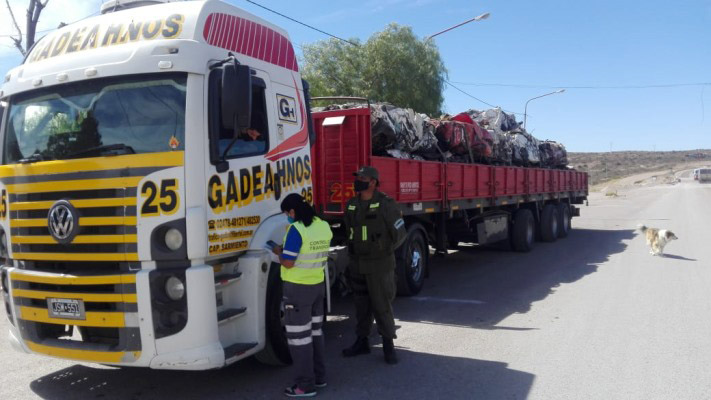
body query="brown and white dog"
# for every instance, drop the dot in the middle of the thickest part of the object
(657, 239)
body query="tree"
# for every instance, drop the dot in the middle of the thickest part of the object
(33, 13)
(393, 66)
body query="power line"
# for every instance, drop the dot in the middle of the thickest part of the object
(49, 30)
(478, 99)
(302, 23)
(652, 86)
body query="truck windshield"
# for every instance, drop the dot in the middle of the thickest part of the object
(120, 115)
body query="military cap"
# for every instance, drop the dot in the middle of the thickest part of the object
(369, 172)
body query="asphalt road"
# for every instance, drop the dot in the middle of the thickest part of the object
(592, 316)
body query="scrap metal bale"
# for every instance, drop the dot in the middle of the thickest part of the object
(525, 149)
(553, 154)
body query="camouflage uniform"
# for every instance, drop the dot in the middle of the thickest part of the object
(375, 228)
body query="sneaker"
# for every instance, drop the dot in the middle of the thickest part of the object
(296, 391)
(320, 385)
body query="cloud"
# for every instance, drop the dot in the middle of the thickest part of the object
(56, 12)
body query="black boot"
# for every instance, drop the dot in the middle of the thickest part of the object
(389, 350)
(361, 346)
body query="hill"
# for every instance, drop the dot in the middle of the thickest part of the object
(609, 166)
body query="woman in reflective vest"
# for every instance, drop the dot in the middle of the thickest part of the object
(304, 257)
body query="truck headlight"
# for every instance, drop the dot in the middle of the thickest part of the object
(174, 288)
(173, 239)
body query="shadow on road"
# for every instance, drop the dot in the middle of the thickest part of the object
(474, 287)
(418, 376)
(479, 287)
(675, 257)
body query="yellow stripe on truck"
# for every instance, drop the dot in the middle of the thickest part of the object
(80, 355)
(167, 159)
(54, 279)
(76, 184)
(83, 221)
(77, 256)
(81, 239)
(85, 203)
(93, 319)
(87, 297)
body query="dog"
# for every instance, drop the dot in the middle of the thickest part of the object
(657, 239)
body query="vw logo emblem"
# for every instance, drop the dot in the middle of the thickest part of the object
(63, 221)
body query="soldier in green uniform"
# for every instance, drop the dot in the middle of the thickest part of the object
(375, 229)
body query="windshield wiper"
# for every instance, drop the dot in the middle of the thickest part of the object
(102, 150)
(33, 159)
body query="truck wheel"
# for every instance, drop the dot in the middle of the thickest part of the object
(563, 220)
(276, 350)
(412, 262)
(549, 223)
(522, 232)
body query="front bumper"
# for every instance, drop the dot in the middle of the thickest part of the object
(195, 347)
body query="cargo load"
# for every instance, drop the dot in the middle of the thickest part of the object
(462, 137)
(474, 136)
(495, 119)
(395, 128)
(553, 154)
(525, 149)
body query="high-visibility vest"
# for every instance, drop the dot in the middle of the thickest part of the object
(309, 266)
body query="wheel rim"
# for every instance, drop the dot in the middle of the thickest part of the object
(416, 262)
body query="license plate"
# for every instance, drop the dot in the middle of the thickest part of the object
(66, 308)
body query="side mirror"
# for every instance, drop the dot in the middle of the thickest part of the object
(236, 94)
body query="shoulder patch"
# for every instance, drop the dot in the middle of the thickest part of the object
(399, 223)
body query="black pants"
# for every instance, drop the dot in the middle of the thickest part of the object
(373, 296)
(304, 320)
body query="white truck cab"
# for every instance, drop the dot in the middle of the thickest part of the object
(144, 155)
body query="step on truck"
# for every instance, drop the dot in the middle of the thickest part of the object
(145, 152)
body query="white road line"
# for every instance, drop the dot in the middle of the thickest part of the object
(443, 300)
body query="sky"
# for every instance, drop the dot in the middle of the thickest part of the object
(600, 51)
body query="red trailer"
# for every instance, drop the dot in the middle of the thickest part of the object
(443, 203)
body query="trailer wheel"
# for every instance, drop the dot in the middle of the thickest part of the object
(523, 231)
(549, 223)
(563, 220)
(412, 262)
(276, 350)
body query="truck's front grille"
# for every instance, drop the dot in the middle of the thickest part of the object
(108, 327)
(106, 226)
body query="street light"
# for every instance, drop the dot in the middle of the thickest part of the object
(477, 18)
(525, 109)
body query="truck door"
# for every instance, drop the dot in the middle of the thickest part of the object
(240, 197)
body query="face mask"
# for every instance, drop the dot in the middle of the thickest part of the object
(291, 220)
(360, 186)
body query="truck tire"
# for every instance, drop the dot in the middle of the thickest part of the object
(523, 231)
(276, 350)
(549, 223)
(564, 220)
(411, 260)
